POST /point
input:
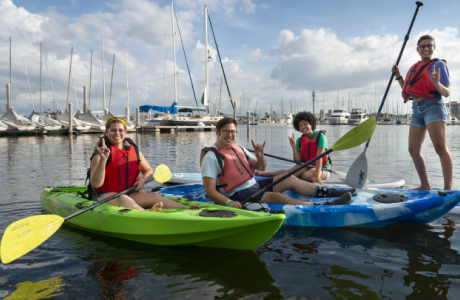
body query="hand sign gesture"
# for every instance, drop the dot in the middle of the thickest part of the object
(258, 149)
(104, 152)
(292, 141)
(435, 76)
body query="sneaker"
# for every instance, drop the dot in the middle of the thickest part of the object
(337, 193)
(345, 199)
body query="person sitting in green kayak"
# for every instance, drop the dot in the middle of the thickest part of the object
(228, 174)
(311, 144)
(115, 166)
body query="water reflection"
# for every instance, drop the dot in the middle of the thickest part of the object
(420, 252)
(125, 270)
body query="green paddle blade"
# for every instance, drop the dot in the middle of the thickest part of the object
(162, 174)
(27, 234)
(356, 136)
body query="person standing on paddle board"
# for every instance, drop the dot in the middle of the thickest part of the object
(228, 174)
(115, 166)
(425, 83)
(311, 144)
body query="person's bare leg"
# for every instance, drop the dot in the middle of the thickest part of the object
(296, 185)
(437, 132)
(123, 200)
(416, 138)
(310, 174)
(149, 199)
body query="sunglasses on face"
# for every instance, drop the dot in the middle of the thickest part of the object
(429, 46)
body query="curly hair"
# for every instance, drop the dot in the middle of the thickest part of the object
(305, 116)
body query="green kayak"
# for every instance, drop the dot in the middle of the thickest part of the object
(238, 229)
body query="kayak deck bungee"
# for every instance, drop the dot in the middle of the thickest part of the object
(184, 178)
(245, 231)
(421, 207)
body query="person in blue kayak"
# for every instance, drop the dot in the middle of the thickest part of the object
(425, 84)
(311, 144)
(115, 166)
(228, 174)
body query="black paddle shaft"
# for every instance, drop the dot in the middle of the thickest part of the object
(285, 159)
(80, 211)
(406, 38)
(287, 175)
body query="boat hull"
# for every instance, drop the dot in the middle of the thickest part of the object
(183, 178)
(247, 231)
(421, 207)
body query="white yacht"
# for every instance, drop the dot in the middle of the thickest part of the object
(154, 120)
(339, 117)
(357, 116)
(287, 119)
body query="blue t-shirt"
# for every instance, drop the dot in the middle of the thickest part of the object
(210, 168)
(443, 71)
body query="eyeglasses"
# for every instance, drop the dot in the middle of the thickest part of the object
(429, 46)
(113, 130)
(227, 132)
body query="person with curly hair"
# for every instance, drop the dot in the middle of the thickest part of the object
(311, 144)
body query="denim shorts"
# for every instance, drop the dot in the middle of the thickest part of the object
(246, 193)
(428, 111)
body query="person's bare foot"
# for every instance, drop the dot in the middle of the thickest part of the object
(194, 206)
(157, 207)
(422, 188)
(263, 174)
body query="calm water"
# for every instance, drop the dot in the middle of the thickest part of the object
(412, 262)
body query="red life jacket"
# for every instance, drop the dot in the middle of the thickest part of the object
(122, 168)
(309, 148)
(236, 170)
(418, 81)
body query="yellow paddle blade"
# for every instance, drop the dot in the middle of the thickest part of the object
(26, 234)
(162, 173)
(356, 136)
(37, 290)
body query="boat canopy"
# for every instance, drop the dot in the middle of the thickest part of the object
(171, 109)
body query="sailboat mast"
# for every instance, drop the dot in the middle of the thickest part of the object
(90, 74)
(49, 74)
(220, 98)
(103, 77)
(174, 52)
(111, 82)
(41, 77)
(206, 88)
(10, 65)
(126, 72)
(68, 84)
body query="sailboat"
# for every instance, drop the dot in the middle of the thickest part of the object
(192, 119)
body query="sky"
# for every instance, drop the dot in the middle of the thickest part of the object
(274, 53)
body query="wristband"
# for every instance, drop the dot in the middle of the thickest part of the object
(228, 203)
(397, 78)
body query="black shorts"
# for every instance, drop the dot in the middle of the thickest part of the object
(246, 193)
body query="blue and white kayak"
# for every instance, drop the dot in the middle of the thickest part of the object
(372, 207)
(184, 178)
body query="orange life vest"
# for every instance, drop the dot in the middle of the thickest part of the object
(236, 169)
(418, 81)
(309, 148)
(122, 168)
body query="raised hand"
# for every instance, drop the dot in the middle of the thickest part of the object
(435, 76)
(258, 149)
(395, 70)
(103, 151)
(292, 141)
